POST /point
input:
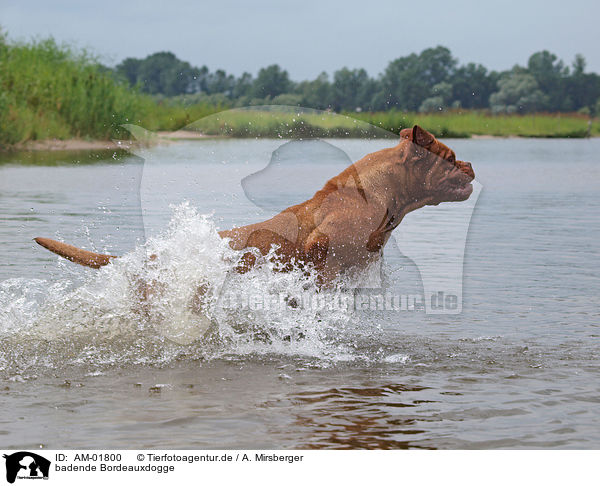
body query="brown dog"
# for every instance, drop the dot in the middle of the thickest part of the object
(345, 225)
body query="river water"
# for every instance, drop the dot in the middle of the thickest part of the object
(517, 366)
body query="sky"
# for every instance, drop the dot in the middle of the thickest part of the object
(310, 36)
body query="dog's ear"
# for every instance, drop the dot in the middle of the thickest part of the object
(422, 137)
(417, 135)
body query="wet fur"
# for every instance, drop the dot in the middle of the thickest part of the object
(347, 223)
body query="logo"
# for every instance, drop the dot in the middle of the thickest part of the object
(26, 465)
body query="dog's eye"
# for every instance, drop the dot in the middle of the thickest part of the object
(452, 158)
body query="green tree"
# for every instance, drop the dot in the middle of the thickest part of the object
(128, 70)
(316, 93)
(351, 89)
(582, 88)
(200, 77)
(441, 99)
(271, 81)
(518, 92)
(220, 82)
(158, 73)
(409, 80)
(549, 73)
(472, 85)
(243, 86)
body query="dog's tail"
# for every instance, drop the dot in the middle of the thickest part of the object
(74, 254)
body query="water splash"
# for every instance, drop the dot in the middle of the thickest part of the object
(165, 301)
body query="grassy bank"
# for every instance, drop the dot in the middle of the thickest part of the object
(468, 123)
(49, 91)
(251, 123)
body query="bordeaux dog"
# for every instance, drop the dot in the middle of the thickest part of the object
(346, 224)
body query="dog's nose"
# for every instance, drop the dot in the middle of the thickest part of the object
(466, 168)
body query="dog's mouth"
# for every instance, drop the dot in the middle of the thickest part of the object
(456, 184)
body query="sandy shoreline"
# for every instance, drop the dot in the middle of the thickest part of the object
(75, 144)
(183, 135)
(161, 138)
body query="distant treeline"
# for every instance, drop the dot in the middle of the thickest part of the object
(426, 82)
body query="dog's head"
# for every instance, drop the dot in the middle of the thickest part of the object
(433, 173)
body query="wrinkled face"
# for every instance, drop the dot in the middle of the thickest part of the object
(437, 175)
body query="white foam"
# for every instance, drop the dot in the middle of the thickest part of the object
(105, 322)
(397, 358)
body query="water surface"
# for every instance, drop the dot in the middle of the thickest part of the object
(517, 368)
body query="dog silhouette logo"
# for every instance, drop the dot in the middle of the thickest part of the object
(26, 465)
